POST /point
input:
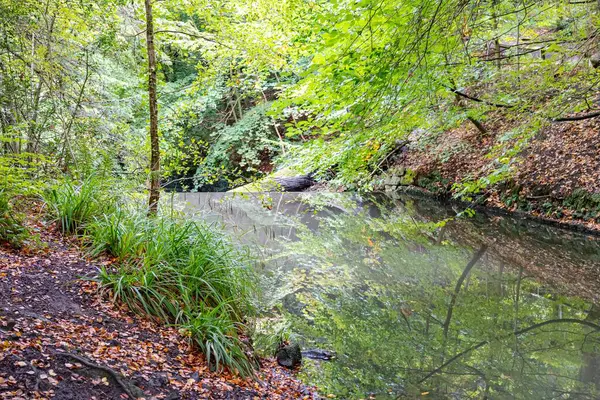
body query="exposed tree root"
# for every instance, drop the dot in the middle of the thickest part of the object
(116, 376)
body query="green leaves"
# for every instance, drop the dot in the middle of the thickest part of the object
(12, 228)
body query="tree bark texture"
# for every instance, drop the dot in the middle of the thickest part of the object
(154, 145)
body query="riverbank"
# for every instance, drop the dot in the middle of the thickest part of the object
(59, 338)
(551, 174)
(491, 210)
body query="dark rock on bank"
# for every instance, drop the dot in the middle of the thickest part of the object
(289, 356)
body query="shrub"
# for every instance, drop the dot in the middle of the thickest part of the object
(215, 334)
(118, 234)
(12, 230)
(179, 271)
(21, 173)
(581, 200)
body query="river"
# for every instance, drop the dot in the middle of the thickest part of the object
(416, 302)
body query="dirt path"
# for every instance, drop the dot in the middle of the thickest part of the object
(59, 339)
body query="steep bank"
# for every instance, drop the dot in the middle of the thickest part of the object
(554, 174)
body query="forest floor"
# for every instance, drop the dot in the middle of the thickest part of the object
(547, 177)
(60, 339)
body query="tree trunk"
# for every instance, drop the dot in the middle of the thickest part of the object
(497, 51)
(154, 145)
(295, 183)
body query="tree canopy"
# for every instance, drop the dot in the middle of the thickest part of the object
(248, 86)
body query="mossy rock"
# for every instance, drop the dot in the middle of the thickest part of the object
(275, 182)
(408, 178)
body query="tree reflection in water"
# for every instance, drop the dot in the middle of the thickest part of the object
(416, 302)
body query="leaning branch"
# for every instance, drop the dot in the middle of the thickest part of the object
(478, 125)
(459, 283)
(500, 105)
(578, 117)
(478, 100)
(193, 35)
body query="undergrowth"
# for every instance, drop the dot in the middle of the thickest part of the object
(182, 272)
(12, 230)
(72, 204)
(179, 271)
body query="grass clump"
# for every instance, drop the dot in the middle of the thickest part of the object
(183, 273)
(72, 204)
(179, 271)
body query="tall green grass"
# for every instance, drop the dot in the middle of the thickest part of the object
(176, 270)
(183, 273)
(72, 204)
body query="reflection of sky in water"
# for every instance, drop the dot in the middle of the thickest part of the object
(385, 283)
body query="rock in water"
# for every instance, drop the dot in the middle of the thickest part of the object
(289, 356)
(295, 183)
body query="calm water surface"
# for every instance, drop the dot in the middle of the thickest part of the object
(417, 303)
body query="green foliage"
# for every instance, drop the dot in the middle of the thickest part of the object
(585, 204)
(216, 335)
(380, 72)
(240, 151)
(329, 86)
(117, 234)
(72, 204)
(12, 230)
(434, 182)
(349, 80)
(183, 273)
(48, 53)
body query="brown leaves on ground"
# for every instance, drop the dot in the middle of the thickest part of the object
(47, 311)
(458, 153)
(561, 158)
(566, 156)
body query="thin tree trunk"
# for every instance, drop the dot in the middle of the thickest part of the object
(154, 145)
(497, 40)
(281, 143)
(67, 146)
(239, 104)
(33, 137)
(478, 125)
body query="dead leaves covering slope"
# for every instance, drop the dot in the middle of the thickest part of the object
(47, 311)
